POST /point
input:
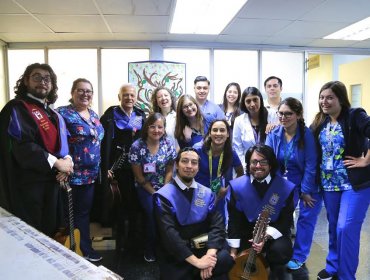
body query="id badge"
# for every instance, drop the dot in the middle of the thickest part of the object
(329, 163)
(216, 184)
(149, 167)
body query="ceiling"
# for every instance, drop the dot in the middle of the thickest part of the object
(286, 23)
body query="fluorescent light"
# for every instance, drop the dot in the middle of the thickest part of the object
(358, 31)
(204, 16)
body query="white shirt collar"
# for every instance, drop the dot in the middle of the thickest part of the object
(42, 101)
(183, 186)
(129, 115)
(267, 179)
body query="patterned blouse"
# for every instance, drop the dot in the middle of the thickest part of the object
(84, 138)
(334, 176)
(154, 164)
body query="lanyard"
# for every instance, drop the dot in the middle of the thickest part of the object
(329, 133)
(210, 164)
(288, 150)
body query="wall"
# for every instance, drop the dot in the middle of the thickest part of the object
(316, 78)
(357, 73)
(3, 88)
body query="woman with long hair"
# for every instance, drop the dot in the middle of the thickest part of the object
(342, 134)
(164, 101)
(152, 159)
(295, 149)
(85, 136)
(191, 125)
(217, 162)
(251, 126)
(231, 102)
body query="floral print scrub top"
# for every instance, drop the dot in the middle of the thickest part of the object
(153, 166)
(334, 175)
(84, 140)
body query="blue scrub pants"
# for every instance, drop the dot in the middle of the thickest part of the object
(346, 211)
(305, 228)
(82, 197)
(146, 200)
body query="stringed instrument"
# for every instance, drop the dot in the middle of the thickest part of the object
(72, 241)
(248, 264)
(115, 193)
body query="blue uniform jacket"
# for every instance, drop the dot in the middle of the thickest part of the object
(306, 157)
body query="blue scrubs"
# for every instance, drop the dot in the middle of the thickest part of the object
(203, 175)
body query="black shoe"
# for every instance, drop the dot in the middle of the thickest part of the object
(93, 256)
(324, 275)
(149, 257)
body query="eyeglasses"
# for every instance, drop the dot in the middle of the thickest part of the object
(262, 162)
(38, 78)
(284, 114)
(82, 91)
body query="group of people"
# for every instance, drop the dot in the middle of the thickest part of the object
(194, 169)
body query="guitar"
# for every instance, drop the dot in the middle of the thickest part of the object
(249, 265)
(115, 193)
(72, 241)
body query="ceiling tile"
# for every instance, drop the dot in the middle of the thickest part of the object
(74, 24)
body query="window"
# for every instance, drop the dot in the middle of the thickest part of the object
(115, 71)
(287, 66)
(71, 64)
(234, 66)
(18, 62)
(197, 64)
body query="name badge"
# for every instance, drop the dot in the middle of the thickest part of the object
(149, 167)
(329, 163)
(216, 184)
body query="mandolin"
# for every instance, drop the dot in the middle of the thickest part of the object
(72, 241)
(248, 264)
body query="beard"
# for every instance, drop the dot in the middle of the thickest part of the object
(38, 92)
(186, 179)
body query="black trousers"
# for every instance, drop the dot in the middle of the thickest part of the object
(41, 206)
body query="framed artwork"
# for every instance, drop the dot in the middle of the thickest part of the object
(148, 75)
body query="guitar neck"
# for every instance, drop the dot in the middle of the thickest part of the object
(70, 216)
(117, 164)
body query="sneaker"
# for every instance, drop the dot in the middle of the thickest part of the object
(149, 257)
(324, 275)
(93, 257)
(294, 265)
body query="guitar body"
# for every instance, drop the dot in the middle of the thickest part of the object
(238, 272)
(67, 243)
(115, 194)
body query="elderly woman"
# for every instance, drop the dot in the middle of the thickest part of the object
(84, 139)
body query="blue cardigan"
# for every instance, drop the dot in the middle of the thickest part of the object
(306, 157)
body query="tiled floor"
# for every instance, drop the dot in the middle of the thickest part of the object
(131, 265)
